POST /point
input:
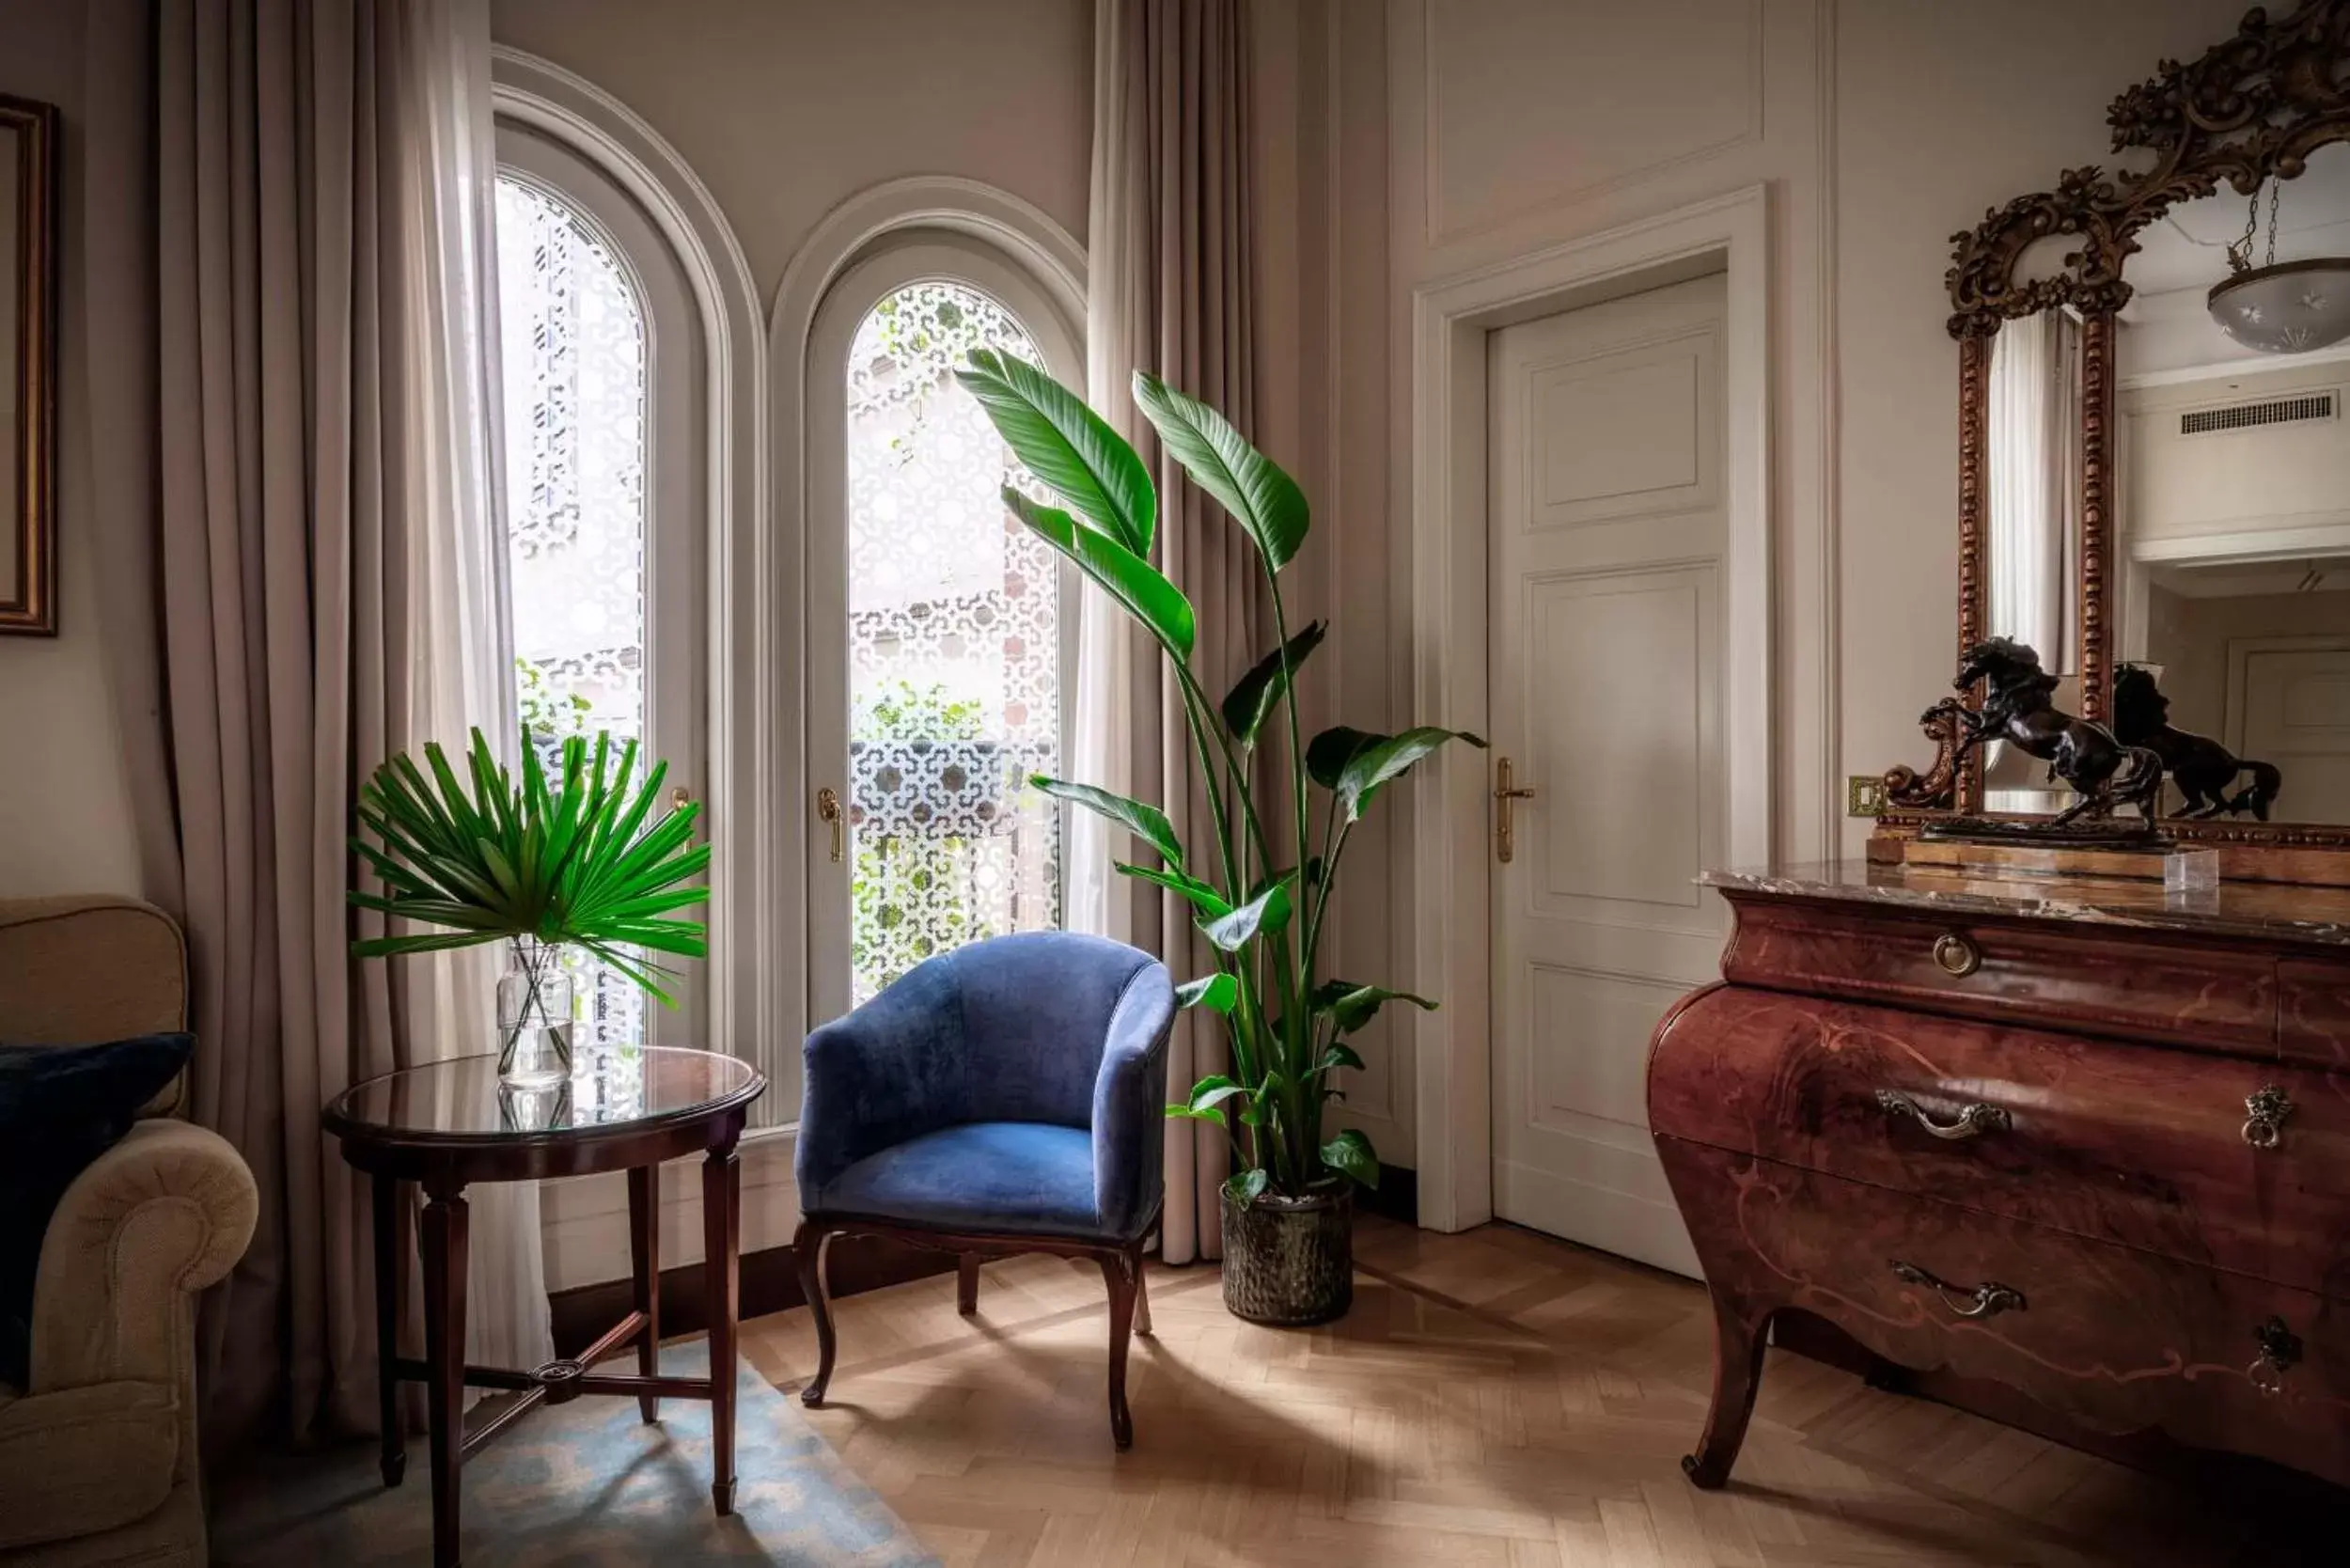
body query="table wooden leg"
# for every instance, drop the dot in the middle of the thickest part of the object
(644, 1247)
(443, 1238)
(721, 1243)
(394, 1458)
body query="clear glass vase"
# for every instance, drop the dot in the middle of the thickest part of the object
(534, 1016)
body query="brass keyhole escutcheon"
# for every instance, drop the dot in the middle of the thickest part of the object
(1957, 955)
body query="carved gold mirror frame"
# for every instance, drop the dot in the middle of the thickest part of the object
(2251, 109)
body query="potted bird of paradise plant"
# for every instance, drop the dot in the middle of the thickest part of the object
(582, 860)
(1286, 1204)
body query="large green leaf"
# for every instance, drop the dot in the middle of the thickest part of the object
(1349, 1153)
(1261, 498)
(1327, 753)
(1352, 1006)
(1203, 898)
(1067, 446)
(1146, 823)
(1253, 695)
(1135, 583)
(1264, 915)
(1389, 757)
(1216, 993)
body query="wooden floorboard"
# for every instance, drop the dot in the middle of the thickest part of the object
(1494, 1397)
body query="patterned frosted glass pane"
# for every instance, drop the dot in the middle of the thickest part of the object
(573, 346)
(954, 648)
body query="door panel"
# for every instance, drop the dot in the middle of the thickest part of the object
(2296, 704)
(1608, 539)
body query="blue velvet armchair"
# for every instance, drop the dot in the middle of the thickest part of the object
(1004, 1097)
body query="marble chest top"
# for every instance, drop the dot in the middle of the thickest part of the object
(2271, 911)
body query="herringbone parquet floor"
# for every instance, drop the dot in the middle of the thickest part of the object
(1494, 1399)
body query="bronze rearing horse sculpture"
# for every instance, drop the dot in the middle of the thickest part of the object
(2017, 709)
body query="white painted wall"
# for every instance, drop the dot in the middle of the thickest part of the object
(83, 806)
(786, 107)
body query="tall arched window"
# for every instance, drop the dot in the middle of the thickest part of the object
(599, 359)
(572, 352)
(954, 646)
(951, 631)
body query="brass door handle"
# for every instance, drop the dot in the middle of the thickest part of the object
(1506, 794)
(2265, 1109)
(828, 809)
(1973, 1119)
(1986, 1300)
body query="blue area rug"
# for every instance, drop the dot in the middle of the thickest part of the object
(580, 1485)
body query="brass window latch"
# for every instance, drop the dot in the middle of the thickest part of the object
(1507, 794)
(828, 809)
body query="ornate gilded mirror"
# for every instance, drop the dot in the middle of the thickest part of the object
(2154, 447)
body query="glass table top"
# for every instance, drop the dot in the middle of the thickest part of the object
(610, 1087)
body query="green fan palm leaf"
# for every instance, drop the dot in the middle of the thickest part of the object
(572, 854)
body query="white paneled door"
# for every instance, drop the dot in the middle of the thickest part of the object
(2289, 703)
(1608, 539)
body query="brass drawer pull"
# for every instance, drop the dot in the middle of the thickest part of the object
(1958, 955)
(1986, 1300)
(2280, 1351)
(2266, 1108)
(1974, 1118)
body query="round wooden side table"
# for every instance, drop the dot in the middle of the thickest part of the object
(446, 1125)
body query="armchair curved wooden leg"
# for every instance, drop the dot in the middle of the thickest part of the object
(807, 1258)
(968, 1283)
(1739, 1341)
(1142, 1302)
(1122, 1273)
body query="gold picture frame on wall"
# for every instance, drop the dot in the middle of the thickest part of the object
(28, 363)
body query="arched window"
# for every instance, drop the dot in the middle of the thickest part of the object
(941, 655)
(573, 353)
(598, 353)
(954, 646)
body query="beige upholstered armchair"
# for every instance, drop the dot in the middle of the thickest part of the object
(98, 1461)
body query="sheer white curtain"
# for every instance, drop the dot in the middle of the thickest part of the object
(2035, 494)
(333, 554)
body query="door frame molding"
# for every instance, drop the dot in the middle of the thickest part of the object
(1449, 932)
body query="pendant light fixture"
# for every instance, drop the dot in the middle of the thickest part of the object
(2281, 306)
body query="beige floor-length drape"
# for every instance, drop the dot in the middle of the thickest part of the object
(1167, 278)
(332, 584)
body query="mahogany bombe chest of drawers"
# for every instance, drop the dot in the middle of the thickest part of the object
(2076, 1139)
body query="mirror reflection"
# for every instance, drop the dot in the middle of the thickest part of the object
(2232, 541)
(2032, 525)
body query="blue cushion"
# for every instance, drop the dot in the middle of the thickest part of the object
(1008, 1178)
(61, 1106)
